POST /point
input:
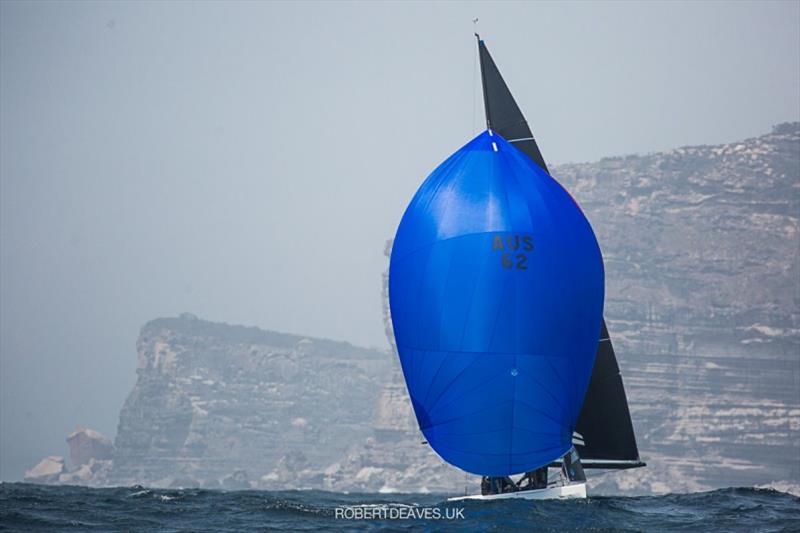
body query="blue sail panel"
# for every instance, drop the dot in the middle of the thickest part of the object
(496, 293)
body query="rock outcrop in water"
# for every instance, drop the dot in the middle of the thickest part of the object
(90, 459)
(86, 444)
(46, 471)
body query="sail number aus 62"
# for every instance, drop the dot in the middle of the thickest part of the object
(513, 250)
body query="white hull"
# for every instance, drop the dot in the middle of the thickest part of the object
(573, 490)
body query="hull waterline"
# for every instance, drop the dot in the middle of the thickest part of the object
(573, 490)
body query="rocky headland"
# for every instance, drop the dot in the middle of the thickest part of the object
(702, 253)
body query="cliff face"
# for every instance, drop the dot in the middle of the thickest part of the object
(214, 401)
(702, 252)
(700, 244)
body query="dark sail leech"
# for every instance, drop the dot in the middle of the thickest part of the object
(606, 438)
(605, 421)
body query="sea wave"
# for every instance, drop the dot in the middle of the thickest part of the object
(25, 507)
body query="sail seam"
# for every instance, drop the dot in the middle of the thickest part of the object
(457, 376)
(530, 354)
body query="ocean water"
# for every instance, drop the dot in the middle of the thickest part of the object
(25, 507)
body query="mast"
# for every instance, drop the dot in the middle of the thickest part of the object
(604, 431)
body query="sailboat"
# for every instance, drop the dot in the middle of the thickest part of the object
(496, 290)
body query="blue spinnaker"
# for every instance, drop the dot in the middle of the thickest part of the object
(496, 292)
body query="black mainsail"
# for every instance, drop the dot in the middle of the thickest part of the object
(502, 112)
(605, 437)
(604, 434)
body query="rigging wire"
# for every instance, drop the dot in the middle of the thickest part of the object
(474, 77)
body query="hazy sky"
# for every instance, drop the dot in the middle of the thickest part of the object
(246, 162)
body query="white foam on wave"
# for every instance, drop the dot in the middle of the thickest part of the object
(782, 486)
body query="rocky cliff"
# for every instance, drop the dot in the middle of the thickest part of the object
(700, 244)
(215, 403)
(702, 252)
